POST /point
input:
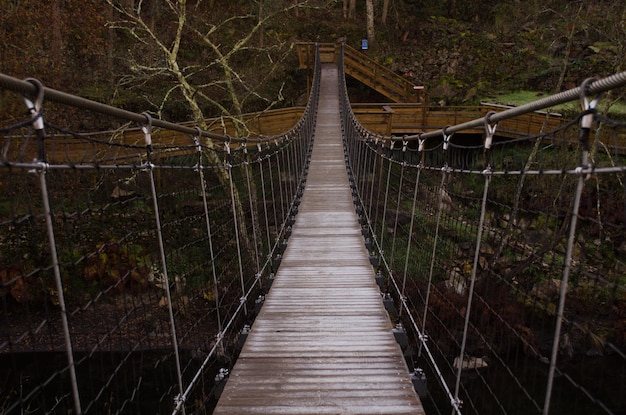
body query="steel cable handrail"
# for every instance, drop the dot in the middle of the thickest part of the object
(28, 88)
(593, 88)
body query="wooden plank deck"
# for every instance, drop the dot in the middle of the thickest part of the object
(322, 343)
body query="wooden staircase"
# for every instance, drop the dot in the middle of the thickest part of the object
(365, 70)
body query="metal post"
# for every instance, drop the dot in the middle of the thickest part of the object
(149, 167)
(35, 110)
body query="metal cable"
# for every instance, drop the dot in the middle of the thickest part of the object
(444, 173)
(267, 226)
(29, 89)
(159, 232)
(35, 109)
(410, 243)
(384, 224)
(593, 88)
(395, 223)
(209, 233)
(243, 299)
(253, 216)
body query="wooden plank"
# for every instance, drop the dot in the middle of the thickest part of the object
(322, 343)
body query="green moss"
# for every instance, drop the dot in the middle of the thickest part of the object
(518, 98)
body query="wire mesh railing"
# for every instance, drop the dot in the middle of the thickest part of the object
(503, 259)
(131, 260)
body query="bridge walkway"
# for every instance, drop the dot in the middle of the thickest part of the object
(322, 342)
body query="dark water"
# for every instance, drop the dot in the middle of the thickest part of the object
(145, 383)
(603, 378)
(109, 383)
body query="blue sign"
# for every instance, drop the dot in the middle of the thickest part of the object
(364, 44)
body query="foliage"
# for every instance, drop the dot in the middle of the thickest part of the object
(521, 97)
(118, 266)
(459, 50)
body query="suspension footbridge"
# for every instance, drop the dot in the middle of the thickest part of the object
(322, 342)
(160, 268)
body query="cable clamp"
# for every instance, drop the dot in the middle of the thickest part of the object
(446, 138)
(179, 400)
(196, 139)
(227, 145)
(586, 170)
(423, 338)
(147, 129)
(243, 299)
(42, 166)
(456, 403)
(589, 112)
(35, 108)
(421, 144)
(405, 144)
(589, 106)
(490, 130)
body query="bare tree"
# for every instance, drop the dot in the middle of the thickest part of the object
(352, 9)
(57, 35)
(166, 37)
(383, 18)
(214, 80)
(369, 9)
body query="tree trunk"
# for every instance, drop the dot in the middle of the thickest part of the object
(110, 46)
(369, 7)
(56, 46)
(261, 29)
(345, 9)
(352, 10)
(451, 8)
(383, 18)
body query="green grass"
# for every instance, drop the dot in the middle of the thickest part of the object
(524, 97)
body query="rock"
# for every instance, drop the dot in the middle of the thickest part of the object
(163, 301)
(119, 193)
(470, 363)
(484, 264)
(446, 201)
(504, 262)
(456, 282)
(486, 249)
(566, 349)
(546, 290)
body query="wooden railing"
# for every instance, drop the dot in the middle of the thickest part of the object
(408, 119)
(395, 119)
(365, 70)
(395, 87)
(131, 143)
